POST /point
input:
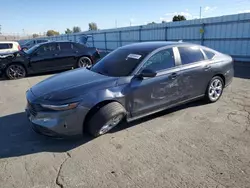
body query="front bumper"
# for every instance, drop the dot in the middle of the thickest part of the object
(2, 67)
(58, 124)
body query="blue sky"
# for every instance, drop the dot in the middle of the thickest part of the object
(37, 16)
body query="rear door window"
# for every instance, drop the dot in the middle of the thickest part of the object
(65, 46)
(190, 54)
(6, 46)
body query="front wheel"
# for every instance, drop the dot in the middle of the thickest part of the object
(15, 71)
(214, 89)
(84, 62)
(105, 119)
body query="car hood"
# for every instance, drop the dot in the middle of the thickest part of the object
(71, 85)
(15, 54)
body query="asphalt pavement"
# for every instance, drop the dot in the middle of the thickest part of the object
(194, 145)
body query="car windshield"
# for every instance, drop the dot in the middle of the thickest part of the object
(121, 62)
(32, 49)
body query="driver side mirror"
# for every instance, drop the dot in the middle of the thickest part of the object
(146, 73)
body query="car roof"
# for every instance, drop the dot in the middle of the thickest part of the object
(61, 41)
(150, 46)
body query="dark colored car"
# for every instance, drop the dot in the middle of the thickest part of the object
(45, 57)
(131, 82)
(30, 43)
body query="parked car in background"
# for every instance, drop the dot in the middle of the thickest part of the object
(131, 82)
(49, 56)
(7, 47)
(32, 43)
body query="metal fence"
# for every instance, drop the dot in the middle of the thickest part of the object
(228, 34)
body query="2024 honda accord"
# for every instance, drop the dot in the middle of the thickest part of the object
(131, 82)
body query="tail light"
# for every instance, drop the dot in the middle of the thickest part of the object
(19, 48)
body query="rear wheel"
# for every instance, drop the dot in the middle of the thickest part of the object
(84, 62)
(15, 71)
(105, 119)
(214, 89)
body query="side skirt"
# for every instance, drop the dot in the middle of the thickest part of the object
(165, 108)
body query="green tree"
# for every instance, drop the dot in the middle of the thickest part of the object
(68, 31)
(177, 18)
(52, 33)
(151, 23)
(93, 26)
(163, 21)
(35, 35)
(76, 29)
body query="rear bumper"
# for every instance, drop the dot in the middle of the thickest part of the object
(229, 76)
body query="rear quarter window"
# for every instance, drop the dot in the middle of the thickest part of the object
(78, 46)
(209, 54)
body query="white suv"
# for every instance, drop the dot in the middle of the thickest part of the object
(9, 47)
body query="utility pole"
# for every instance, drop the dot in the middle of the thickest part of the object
(115, 23)
(200, 12)
(0, 29)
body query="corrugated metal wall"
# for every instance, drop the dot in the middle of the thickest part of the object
(228, 34)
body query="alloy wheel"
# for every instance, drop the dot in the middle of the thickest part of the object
(215, 89)
(111, 124)
(84, 62)
(16, 72)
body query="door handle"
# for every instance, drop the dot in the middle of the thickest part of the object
(207, 67)
(55, 54)
(173, 75)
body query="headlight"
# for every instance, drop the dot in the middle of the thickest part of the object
(60, 107)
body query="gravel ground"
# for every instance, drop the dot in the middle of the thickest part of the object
(195, 145)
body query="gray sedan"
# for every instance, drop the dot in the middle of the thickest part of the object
(129, 83)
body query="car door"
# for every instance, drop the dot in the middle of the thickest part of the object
(195, 72)
(44, 58)
(152, 94)
(66, 57)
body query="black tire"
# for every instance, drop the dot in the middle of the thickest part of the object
(84, 60)
(15, 71)
(104, 115)
(210, 97)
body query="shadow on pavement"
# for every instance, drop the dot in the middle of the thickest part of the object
(18, 139)
(167, 112)
(242, 70)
